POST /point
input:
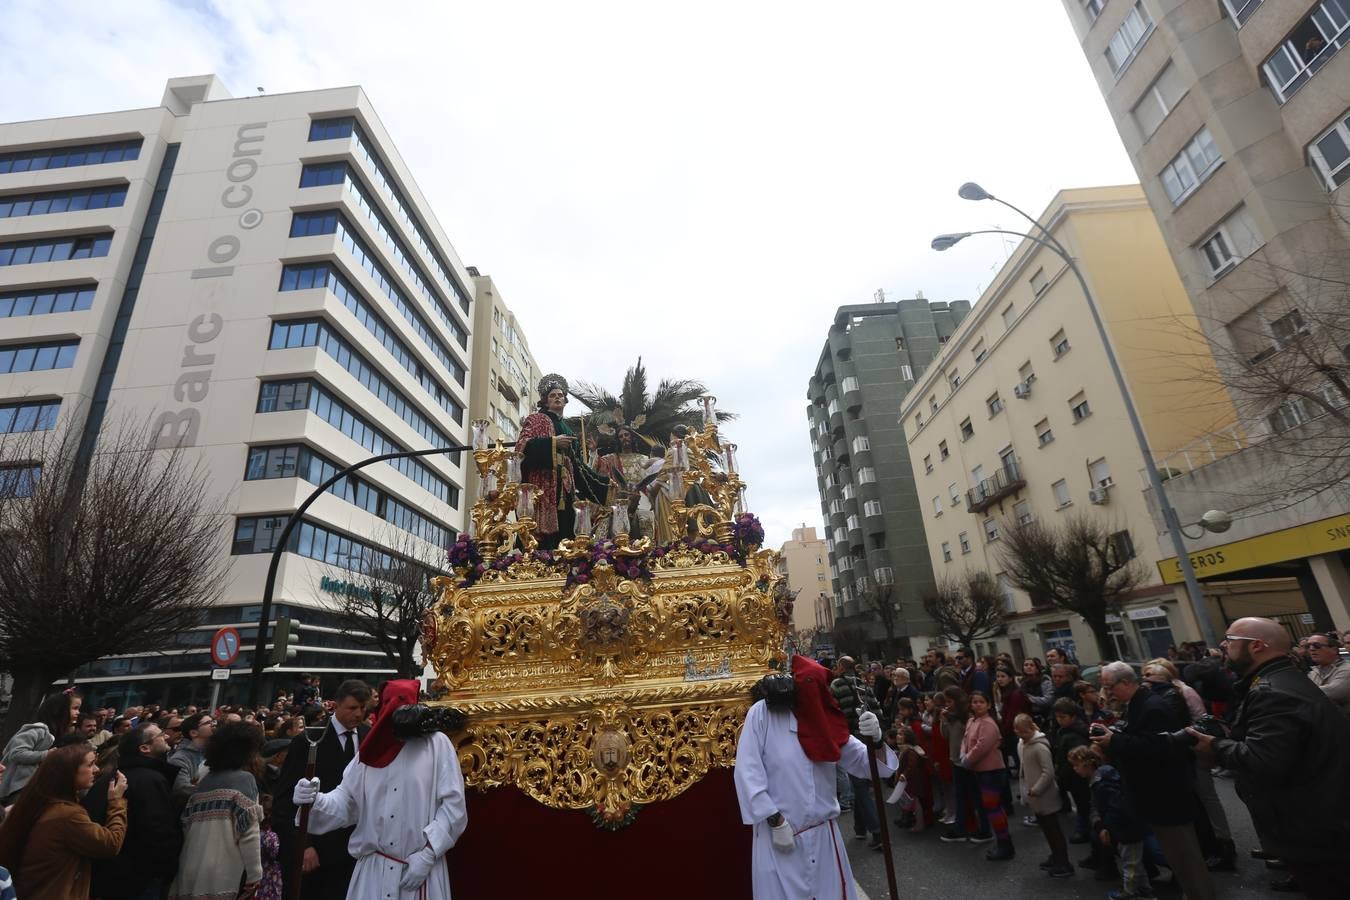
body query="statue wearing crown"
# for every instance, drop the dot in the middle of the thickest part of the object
(552, 459)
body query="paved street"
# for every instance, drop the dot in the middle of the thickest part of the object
(927, 867)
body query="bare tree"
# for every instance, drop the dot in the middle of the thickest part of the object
(384, 605)
(1082, 566)
(121, 555)
(883, 600)
(965, 609)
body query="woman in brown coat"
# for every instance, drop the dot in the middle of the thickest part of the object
(48, 841)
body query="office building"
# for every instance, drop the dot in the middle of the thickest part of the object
(1019, 418)
(874, 529)
(1235, 115)
(261, 279)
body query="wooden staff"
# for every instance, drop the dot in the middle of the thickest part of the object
(293, 876)
(880, 800)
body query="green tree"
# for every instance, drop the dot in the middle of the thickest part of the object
(653, 415)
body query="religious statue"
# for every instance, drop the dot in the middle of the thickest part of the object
(665, 483)
(626, 467)
(552, 459)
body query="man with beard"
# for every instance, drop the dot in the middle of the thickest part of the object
(1287, 753)
(785, 762)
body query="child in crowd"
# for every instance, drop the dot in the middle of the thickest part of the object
(1114, 822)
(1071, 731)
(940, 757)
(1041, 792)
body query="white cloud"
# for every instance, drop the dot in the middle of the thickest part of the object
(700, 184)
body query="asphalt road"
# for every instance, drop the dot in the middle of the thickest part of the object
(928, 868)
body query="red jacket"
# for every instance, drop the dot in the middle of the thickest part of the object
(1014, 703)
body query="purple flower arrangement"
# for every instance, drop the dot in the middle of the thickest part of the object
(747, 531)
(625, 566)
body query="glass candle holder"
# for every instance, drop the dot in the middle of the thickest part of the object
(513, 468)
(583, 519)
(709, 409)
(729, 449)
(525, 502)
(618, 521)
(487, 484)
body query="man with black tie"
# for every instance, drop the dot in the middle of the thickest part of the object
(327, 865)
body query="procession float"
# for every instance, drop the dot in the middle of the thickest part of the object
(606, 621)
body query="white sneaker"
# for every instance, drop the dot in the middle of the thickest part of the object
(1030, 821)
(949, 820)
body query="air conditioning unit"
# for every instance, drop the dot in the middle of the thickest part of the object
(1022, 390)
(1098, 496)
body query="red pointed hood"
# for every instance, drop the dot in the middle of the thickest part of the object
(381, 746)
(821, 725)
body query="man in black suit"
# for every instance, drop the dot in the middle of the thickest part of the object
(327, 866)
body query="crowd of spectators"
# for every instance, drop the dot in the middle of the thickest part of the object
(1123, 765)
(148, 803)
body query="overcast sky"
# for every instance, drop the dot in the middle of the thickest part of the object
(701, 184)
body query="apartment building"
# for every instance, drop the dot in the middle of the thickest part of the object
(874, 535)
(261, 279)
(1019, 419)
(1236, 116)
(505, 375)
(807, 568)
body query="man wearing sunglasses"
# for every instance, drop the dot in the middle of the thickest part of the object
(1287, 753)
(1329, 670)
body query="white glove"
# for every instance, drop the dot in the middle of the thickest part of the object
(783, 839)
(868, 726)
(306, 789)
(420, 865)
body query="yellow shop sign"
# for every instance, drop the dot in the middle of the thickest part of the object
(1312, 539)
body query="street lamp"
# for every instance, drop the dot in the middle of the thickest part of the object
(1215, 520)
(972, 191)
(266, 614)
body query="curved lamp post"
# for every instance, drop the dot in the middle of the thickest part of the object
(260, 645)
(972, 191)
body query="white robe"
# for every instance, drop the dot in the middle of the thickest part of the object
(415, 800)
(773, 774)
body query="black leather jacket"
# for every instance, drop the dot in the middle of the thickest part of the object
(1290, 757)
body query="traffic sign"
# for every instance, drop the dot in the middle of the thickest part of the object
(225, 647)
(220, 675)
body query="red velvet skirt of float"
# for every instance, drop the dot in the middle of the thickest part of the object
(691, 846)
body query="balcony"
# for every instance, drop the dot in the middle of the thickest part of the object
(1003, 483)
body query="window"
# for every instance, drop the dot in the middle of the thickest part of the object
(1061, 489)
(849, 384)
(37, 357)
(1022, 512)
(967, 430)
(280, 396)
(1287, 327)
(1308, 47)
(55, 249)
(872, 508)
(1234, 240)
(18, 481)
(47, 202)
(833, 408)
(1125, 43)
(295, 333)
(928, 464)
(309, 224)
(329, 129)
(946, 551)
(918, 421)
(44, 300)
(1093, 8)
(1005, 590)
(849, 492)
(1330, 153)
(1007, 458)
(991, 530)
(937, 506)
(1043, 433)
(1079, 406)
(979, 352)
(943, 452)
(1009, 316)
(955, 493)
(1241, 10)
(861, 443)
(1267, 328)
(1026, 373)
(1100, 473)
(954, 379)
(963, 539)
(1059, 343)
(1039, 282)
(1189, 168)
(1122, 546)
(1159, 99)
(899, 343)
(28, 415)
(884, 575)
(995, 404)
(852, 523)
(866, 475)
(906, 372)
(1289, 414)
(932, 403)
(840, 536)
(66, 157)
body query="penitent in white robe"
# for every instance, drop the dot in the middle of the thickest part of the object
(773, 774)
(415, 800)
